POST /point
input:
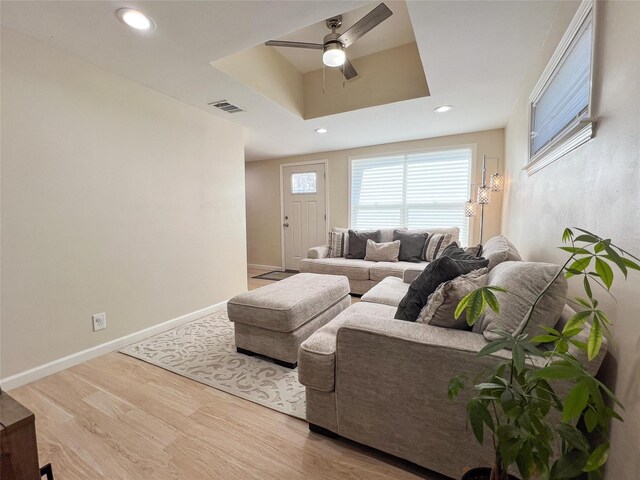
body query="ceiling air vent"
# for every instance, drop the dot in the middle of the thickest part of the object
(226, 106)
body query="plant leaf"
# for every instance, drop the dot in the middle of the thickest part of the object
(491, 300)
(573, 437)
(493, 346)
(598, 457)
(595, 340)
(580, 265)
(567, 234)
(588, 238)
(575, 402)
(456, 384)
(604, 271)
(462, 304)
(590, 420)
(577, 320)
(556, 371)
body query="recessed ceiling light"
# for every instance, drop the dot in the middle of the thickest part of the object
(135, 19)
(443, 108)
(321, 130)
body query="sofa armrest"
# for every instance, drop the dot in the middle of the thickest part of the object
(391, 390)
(318, 252)
(411, 273)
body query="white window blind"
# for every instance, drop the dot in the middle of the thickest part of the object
(564, 99)
(413, 190)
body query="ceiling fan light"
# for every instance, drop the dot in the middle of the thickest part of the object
(334, 55)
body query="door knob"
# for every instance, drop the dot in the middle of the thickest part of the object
(285, 224)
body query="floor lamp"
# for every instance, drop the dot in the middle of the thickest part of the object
(483, 197)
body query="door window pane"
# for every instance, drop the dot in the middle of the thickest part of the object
(303, 182)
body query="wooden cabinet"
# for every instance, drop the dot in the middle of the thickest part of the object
(19, 450)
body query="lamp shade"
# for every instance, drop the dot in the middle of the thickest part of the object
(470, 208)
(334, 55)
(497, 182)
(484, 195)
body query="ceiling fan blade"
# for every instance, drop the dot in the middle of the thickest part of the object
(366, 23)
(347, 70)
(280, 43)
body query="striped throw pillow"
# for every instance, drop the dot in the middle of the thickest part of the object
(336, 244)
(435, 245)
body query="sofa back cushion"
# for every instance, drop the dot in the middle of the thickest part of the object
(498, 249)
(411, 245)
(358, 243)
(337, 243)
(436, 244)
(442, 303)
(439, 271)
(524, 281)
(382, 252)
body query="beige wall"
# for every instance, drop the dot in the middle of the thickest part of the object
(594, 187)
(385, 77)
(115, 199)
(263, 189)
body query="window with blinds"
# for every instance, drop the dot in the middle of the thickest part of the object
(560, 104)
(413, 190)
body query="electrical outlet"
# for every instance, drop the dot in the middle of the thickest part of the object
(99, 321)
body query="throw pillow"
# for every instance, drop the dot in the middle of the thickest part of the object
(411, 245)
(442, 303)
(382, 252)
(358, 243)
(523, 281)
(458, 253)
(336, 244)
(475, 251)
(439, 271)
(498, 249)
(435, 245)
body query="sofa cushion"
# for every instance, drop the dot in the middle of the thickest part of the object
(382, 252)
(440, 270)
(498, 249)
(286, 305)
(411, 245)
(523, 281)
(358, 243)
(441, 305)
(436, 244)
(380, 270)
(316, 358)
(336, 244)
(388, 292)
(352, 269)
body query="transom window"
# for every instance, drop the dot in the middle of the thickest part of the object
(413, 190)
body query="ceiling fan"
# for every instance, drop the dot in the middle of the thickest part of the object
(334, 44)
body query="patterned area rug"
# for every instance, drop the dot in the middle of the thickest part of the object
(277, 275)
(204, 350)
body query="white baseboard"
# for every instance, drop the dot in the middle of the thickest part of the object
(266, 267)
(36, 373)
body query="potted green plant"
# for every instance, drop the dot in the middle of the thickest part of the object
(540, 397)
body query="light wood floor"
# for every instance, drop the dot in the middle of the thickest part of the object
(116, 417)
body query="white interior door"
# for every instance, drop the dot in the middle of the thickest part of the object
(305, 211)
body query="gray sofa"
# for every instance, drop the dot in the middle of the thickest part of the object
(383, 382)
(363, 274)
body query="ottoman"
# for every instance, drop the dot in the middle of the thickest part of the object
(275, 319)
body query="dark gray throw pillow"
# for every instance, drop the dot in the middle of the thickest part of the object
(451, 264)
(411, 245)
(358, 243)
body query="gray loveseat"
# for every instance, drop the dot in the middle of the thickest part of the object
(383, 382)
(364, 274)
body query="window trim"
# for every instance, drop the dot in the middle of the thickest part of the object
(471, 227)
(581, 129)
